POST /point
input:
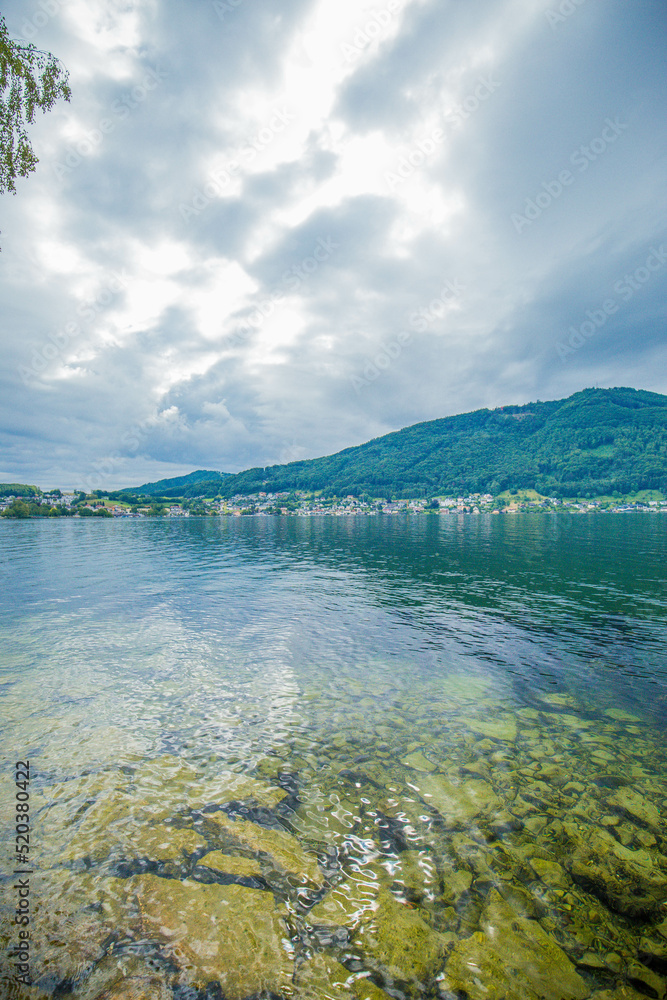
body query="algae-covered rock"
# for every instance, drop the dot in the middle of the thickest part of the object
(351, 901)
(281, 847)
(458, 804)
(454, 883)
(75, 913)
(399, 942)
(550, 872)
(11, 990)
(653, 949)
(620, 993)
(419, 762)
(471, 855)
(230, 865)
(502, 728)
(322, 818)
(107, 826)
(645, 979)
(513, 958)
(462, 687)
(163, 843)
(629, 882)
(124, 977)
(179, 783)
(631, 803)
(416, 871)
(225, 933)
(364, 989)
(559, 700)
(620, 716)
(323, 977)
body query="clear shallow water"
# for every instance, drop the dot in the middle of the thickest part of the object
(361, 718)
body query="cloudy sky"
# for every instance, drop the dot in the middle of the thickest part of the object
(265, 230)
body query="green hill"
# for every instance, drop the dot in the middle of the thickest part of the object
(598, 441)
(195, 484)
(18, 490)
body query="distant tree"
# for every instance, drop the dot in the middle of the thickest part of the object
(17, 509)
(29, 79)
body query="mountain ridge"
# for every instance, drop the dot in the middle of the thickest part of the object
(594, 442)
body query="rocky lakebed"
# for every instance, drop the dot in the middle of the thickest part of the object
(441, 843)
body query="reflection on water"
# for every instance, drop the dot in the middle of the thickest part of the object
(338, 758)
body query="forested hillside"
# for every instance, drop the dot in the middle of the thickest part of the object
(200, 483)
(598, 441)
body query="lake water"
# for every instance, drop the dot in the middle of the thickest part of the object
(336, 757)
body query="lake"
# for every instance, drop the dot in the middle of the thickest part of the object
(334, 757)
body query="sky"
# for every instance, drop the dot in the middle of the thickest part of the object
(267, 230)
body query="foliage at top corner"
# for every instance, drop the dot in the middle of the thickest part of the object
(29, 79)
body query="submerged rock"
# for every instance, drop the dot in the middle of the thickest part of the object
(513, 958)
(125, 977)
(216, 933)
(75, 913)
(620, 993)
(645, 979)
(416, 871)
(323, 977)
(220, 862)
(418, 762)
(399, 942)
(636, 806)
(352, 900)
(629, 882)
(164, 843)
(620, 716)
(281, 847)
(502, 728)
(179, 783)
(550, 872)
(454, 884)
(323, 819)
(458, 804)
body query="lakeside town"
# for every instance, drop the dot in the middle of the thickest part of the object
(300, 503)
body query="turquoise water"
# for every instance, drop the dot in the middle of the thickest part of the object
(369, 741)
